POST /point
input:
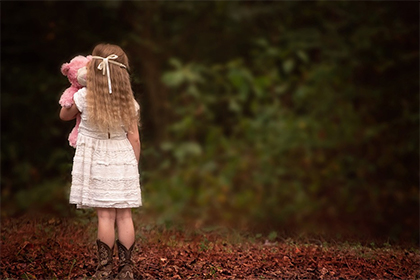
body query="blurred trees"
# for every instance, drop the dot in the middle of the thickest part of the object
(263, 115)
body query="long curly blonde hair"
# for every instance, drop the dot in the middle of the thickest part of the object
(110, 111)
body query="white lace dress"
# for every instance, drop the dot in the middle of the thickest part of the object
(105, 171)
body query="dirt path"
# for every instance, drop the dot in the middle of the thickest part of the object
(60, 249)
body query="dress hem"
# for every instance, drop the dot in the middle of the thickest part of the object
(78, 206)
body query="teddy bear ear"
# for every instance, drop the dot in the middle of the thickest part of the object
(65, 68)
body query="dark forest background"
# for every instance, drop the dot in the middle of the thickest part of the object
(287, 117)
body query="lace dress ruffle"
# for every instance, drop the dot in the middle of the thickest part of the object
(105, 174)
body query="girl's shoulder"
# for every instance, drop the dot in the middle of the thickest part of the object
(136, 104)
(81, 92)
(80, 99)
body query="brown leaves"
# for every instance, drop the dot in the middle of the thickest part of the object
(44, 250)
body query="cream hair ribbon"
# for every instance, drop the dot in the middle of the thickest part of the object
(104, 66)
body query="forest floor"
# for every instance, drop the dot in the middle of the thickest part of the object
(64, 248)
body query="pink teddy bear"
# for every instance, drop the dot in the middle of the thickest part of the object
(75, 71)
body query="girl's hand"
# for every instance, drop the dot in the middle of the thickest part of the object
(134, 138)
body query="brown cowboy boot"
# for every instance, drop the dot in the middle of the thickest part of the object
(104, 269)
(125, 265)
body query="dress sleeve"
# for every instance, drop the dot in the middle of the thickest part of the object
(137, 106)
(80, 99)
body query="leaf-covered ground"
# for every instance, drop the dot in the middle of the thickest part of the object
(64, 249)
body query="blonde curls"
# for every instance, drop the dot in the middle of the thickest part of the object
(110, 111)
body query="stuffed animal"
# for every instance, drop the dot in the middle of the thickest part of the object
(75, 71)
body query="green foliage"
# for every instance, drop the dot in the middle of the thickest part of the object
(300, 133)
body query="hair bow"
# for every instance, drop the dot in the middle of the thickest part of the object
(104, 66)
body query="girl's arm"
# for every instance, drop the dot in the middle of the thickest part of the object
(68, 114)
(134, 138)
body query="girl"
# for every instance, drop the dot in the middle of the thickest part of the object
(105, 172)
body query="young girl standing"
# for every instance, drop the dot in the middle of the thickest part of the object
(105, 173)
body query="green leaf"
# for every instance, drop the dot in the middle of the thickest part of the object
(173, 78)
(288, 65)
